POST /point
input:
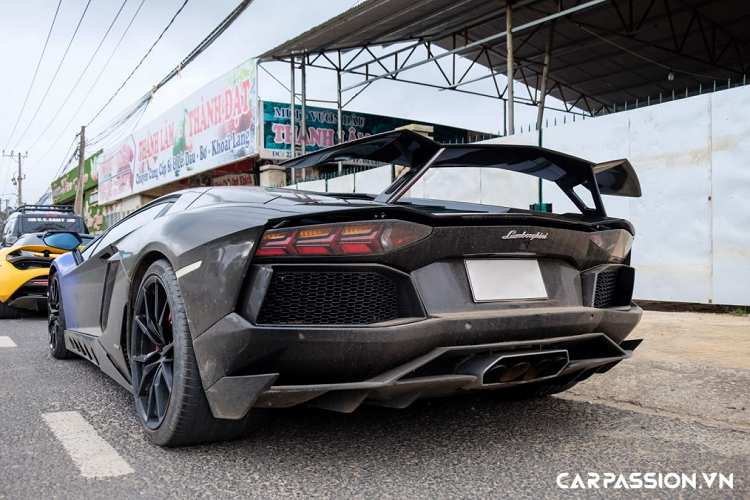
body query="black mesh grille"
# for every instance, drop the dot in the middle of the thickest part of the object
(605, 289)
(325, 298)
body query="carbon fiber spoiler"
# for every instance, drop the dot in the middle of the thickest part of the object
(409, 149)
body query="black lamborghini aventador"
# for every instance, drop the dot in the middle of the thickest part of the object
(212, 304)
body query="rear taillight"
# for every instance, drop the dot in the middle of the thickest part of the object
(351, 238)
(616, 242)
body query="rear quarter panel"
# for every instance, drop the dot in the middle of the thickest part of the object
(221, 238)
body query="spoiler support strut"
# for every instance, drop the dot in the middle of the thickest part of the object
(400, 186)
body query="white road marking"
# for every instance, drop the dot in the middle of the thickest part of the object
(93, 456)
(6, 341)
(188, 269)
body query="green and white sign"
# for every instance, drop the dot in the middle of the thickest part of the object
(322, 128)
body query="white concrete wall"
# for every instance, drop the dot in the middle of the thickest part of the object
(372, 181)
(317, 185)
(730, 192)
(368, 181)
(692, 157)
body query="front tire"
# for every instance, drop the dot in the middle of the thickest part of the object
(56, 321)
(169, 397)
(7, 312)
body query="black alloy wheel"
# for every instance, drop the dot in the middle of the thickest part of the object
(169, 397)
(152, 351)
(56, 321)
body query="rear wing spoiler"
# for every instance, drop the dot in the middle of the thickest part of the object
(419, 153)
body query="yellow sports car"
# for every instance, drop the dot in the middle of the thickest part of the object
(23, 274)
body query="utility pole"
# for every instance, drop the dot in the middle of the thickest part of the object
(303, 123)
(545, 75)
(18, 181)
(78, 204)
(338, 108)
(293, 117)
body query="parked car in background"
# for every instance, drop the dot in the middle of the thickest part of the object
(28, 219)
(25, 258)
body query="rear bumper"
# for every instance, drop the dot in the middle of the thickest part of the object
(30, 295)
(34, 302)
(244, 365)
(14, 281)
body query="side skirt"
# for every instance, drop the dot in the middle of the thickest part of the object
(89, 348)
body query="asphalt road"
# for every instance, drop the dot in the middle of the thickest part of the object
(453, 448)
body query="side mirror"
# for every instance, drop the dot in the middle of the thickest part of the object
(62, 240)
(10, 239)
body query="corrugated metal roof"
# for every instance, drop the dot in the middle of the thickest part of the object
(610, 53)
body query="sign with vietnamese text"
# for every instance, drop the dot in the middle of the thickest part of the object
(212, 127)
(322, 128)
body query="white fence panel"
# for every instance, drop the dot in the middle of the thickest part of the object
(317, 186)
(507, 189)
(730, 159)
(670, 149)
(373, 181)
(343, 184)
(456, 184)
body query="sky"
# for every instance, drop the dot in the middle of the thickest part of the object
(47, 125)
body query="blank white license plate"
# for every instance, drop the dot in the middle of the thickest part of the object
(505, 279)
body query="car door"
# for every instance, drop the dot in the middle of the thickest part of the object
(84, 285)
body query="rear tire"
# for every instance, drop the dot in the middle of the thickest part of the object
(56, 321)
(169, 396)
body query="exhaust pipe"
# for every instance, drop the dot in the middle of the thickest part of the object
(513, 368)
(537, 369)
(495, 373)
(515, 372)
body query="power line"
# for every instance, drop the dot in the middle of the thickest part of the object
(203, 45)
(33, 79)
(57, 113)
(125, 130)
(122, 121)
(68, 158)
(139, 63)
(91, 88)
(55, 75)
(126, 117)
(206, 42)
